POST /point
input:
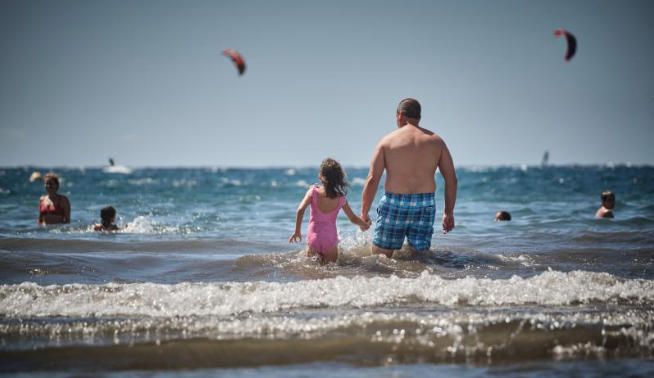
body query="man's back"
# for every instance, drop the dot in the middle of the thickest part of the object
(411, 157)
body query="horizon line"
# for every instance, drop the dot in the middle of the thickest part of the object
(354, 166)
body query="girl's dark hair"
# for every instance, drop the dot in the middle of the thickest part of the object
(333, 178)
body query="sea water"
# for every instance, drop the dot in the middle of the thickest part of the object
(202, 281)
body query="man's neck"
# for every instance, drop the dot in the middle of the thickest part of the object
(411, 122)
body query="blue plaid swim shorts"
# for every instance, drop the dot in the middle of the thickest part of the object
(402, 216)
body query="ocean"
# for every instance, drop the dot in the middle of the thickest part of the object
(201, 279)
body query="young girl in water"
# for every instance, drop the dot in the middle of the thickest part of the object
(325, 200)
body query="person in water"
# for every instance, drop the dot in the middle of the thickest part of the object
(325, 200)
(502, 216)
(53, 208)
(108, 217)
(410, 156)
(608, 203)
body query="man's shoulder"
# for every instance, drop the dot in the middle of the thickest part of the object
(420, 135)
(430, 134)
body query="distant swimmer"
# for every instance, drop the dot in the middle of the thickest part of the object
(608, 203)
(325, 200)
(502, 216)
(53, 208)
(108, 217)
(410, 155)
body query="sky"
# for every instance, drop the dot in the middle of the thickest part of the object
(144, 82)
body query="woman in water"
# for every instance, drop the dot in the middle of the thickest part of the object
(53, 208)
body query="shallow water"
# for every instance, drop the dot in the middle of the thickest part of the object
(201, 279)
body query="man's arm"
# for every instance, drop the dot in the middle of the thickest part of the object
(446, 167)
(372, 181)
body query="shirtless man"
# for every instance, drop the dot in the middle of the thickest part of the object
(410, 155)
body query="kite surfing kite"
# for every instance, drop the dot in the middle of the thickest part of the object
(572, 43)
(237, 59)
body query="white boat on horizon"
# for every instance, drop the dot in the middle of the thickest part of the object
(113, 168)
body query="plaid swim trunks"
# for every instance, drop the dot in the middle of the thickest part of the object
(405, 215)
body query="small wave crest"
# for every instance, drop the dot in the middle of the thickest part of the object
(227, 299)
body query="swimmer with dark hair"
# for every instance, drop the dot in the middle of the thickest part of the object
(502, 216)
(608, 203)
(108, 216)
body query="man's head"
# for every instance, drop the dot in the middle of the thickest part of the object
(608, 199)
(502, 216)
(408, 111)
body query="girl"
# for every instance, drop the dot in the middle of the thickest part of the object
(325, 201)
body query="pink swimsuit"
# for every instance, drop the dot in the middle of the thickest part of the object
(321, 235)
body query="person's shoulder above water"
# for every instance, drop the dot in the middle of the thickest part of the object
(604, 213)
(102, 228)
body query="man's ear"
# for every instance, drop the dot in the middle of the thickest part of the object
(400, 119)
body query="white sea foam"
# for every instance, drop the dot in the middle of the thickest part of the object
(524, 260)
(440, 324)
(146, 225)
(226, 299)
(231, 182)
(476, 331)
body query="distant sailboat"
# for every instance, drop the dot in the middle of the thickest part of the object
(113, 168)
(546, 159)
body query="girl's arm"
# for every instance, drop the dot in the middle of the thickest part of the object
(354, 218)
(299, 214)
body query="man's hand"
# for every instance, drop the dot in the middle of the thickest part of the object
(448, 223)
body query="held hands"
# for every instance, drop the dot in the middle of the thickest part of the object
(366, 222)
(448, 223)
(295, 238)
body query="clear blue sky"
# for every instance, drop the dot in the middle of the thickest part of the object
(145, 81)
